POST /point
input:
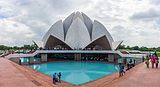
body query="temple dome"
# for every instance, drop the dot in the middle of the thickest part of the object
(78, 31)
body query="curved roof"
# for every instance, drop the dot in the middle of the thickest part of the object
(88, 23)
(78, 31)
(56, 30)
(99, 30)
(77, 35)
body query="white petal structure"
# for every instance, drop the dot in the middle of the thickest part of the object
(88, 23)
(56, 30)
(116, 44)
(67, 22)
(77, 35)
(78, 31)
(99, 30)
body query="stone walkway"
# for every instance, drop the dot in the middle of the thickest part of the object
(139, 77)
(13, 75)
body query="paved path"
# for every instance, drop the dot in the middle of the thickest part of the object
(14, 75)
(11, 77)
(139, 77)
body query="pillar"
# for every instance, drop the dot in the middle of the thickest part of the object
(31, 60)
(77, 56)
(111, 57)
(44, 57)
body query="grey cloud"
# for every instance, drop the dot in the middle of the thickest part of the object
(7, 12)
(121, 33)
(156, 2)
(157, 24)
(22, 2)
(38, 16)
(148, 15)
(59, 4)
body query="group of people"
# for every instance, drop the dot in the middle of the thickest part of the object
(153, 58)
(130, 64)
(126, 66)
(56, 77)
(121, 69)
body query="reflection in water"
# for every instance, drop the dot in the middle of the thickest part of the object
(36, 67)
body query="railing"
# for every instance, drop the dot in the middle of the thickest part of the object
(78, 51)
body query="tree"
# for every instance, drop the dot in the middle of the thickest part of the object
(2, 47)
(122, 47)
(135, 48)
(143, 48)
(15, 48)
(28, 47)
(158, 49)
(128, 47)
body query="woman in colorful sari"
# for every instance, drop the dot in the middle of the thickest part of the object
(152, 58)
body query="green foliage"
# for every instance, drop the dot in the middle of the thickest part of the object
(135, 48)
(24, 47)
(158, 53)
(2, 47)
(143, 48)
(122, 47)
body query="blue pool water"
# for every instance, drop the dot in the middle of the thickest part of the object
(77, 72)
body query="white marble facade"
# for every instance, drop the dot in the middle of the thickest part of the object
(78, 31)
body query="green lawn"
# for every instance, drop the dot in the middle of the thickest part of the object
(158, 53)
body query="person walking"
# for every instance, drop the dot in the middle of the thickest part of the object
(20, 62)
(54, 78)
(121, 70)
(147, 61)
(59, 76)
(127, 66)
(156, 59)
(156, 62)
(134, 62)
(142, 58)
(130, 64)
(152, 57)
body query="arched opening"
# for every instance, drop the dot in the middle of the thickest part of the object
(100, 44)
(55, 43)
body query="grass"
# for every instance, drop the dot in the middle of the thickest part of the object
(158, 53)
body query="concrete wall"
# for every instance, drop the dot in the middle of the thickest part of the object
(16, 60)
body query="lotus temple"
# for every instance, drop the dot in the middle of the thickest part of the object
(77, 38)
(78, 31)
(81, 49)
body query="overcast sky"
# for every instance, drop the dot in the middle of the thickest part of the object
(137, 22)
